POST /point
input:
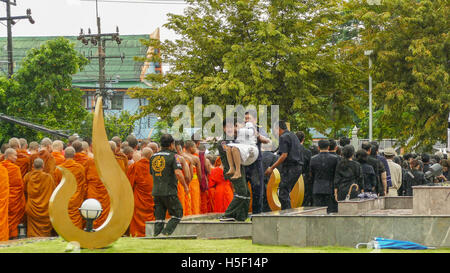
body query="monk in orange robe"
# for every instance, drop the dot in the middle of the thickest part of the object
(206, 205)
(95, 187)
(223, 193)
(4, 200)
(118, 158)
(16, 206)
(194, 186)
(23, 159)
(142, 184)
(118, 152)
(182, 195)
(39, 187)
(57, 152)
(80, 195)
(45, 154)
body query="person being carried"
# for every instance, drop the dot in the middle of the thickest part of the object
(244, 151)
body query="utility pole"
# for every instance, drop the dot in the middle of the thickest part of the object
(368, 53)
(99, 40)
(9, 22)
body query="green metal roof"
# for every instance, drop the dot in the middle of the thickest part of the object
(126, 72)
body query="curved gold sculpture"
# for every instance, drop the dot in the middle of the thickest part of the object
(116, 183)
(296, 194)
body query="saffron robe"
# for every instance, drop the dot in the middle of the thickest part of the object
(95, 187)
(16, 206)
(39, 187)
(4, 200)
(80, 195)
(223, 193)
(23, 161)
(49, 162)
(59, 158)
(142, 184)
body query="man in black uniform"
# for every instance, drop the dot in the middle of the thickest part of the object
(238, 208)
(166, 169)
(291, 162)
(322, 170)
(307, 200)
(378, 167)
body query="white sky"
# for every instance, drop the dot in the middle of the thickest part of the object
(66, 17)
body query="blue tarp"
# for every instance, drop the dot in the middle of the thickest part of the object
(382, 243)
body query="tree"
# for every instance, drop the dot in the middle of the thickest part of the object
(277, 52)
(410, 43)
(41, 90)
(121, 124)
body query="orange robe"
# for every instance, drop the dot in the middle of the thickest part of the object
(223, 193)
(194, 192)
(121, 164)
(16, 206)
(49, 162)
(80, 195)
(4, 200)
(59, 158)
(142, 184)
(39, 187)
(23, 161)
(123, 158)
(95, 187)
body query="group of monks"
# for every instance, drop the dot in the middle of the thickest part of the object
(28, 177)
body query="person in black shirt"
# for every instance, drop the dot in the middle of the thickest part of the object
(322, 171)
(332, 149)
(413, 177)
(348, 173)
(268, 159)
(307, 200)
(377, 165)
(291, 162)
(166, 169)
(255, 171)
(238, 208)
(369, 176)
(426, 162)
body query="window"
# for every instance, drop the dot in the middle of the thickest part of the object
(117, 102)
(88, 100)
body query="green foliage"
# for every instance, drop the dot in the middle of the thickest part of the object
(161, 127)
(121, 124)
(41, 90)
(411, 45)
(262, 53)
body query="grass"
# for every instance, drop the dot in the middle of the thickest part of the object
(134, 245)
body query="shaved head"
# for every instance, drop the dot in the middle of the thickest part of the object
(4, 147)
(147, 152)
(38, 164)
(34, 146)
(69, 153)
(11, 154)
(46, 142)
(23, 143)
(128, 151)
(144, 143)
(113, 146)
(117, 140)
(14, 143)
(77, 146)
(153, 146)
(58, 145)
(85, 146)
(72, 139)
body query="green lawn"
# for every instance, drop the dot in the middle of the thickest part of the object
(134, 245)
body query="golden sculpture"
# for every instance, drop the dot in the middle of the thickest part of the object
(116, 183)
(296, 194)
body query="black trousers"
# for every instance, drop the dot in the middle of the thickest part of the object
(289, 176)
(255, 175)
(163, 204)
(308, 197)
(321, 200)
(238, 208)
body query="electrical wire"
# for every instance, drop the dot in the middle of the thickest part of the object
(168, 2)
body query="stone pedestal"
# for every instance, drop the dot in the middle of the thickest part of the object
(431, 200)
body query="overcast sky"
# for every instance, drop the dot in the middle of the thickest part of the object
(66, 17)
